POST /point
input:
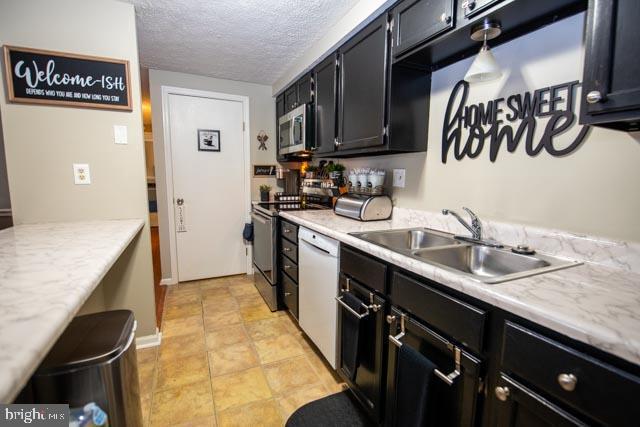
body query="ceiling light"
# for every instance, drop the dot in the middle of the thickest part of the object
(484, 66)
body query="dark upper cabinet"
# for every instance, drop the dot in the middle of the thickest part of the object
(611, 83)
(471, 8)
(417, 21)
(326, 92)
(363, 87)
(305, 89)
(291, 98)
(280, 106)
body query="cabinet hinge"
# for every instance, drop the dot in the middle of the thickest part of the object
(385, 130)
(390, 25)
(337, 62)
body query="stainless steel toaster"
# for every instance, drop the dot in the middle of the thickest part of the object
(364, 207)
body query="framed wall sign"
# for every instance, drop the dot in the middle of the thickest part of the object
(208, 140)
(264, 170)
(36, 76)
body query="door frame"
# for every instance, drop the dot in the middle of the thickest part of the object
(168, 166)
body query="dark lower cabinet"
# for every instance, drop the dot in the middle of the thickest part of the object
(363, 87)
(495, 368)
(611, 82)
(288, 265)
(326, 94)
(520, 407)
(367, 381)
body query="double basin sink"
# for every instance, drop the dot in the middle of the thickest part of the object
(484, 263)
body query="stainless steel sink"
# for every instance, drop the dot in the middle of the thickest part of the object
(408, 240)
(491, 265)
(483, 263)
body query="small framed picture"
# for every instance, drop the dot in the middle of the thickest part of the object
(208, 140)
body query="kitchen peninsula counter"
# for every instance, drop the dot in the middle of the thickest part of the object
(47, 272)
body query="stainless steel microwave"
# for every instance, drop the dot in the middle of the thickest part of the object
(295, 131)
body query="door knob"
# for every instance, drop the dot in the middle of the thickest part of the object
(179, 202)
(502, 393)
(567, 381)
(594, 97)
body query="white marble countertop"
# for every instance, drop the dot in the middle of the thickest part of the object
(47, 272)
(597, 303)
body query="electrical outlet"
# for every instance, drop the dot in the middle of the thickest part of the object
(81, 174)
(120, 134)
(398, 177)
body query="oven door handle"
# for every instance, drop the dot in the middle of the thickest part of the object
(260, 218)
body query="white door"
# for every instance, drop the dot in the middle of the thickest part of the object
(208, 186)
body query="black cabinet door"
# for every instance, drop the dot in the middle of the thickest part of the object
(367, 380)
(305, 89)
(458, 404)
(279, 106)
(291, 98)
(518, 406)
(611, 83)
(326, 92)
(416, 21)
(363, 87)
(280, 110)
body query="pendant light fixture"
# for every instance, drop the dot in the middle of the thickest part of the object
(484, 66)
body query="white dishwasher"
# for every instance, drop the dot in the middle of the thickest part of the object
(317, 290)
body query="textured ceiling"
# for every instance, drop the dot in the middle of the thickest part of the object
(248, 40)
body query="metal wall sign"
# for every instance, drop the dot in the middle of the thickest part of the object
(467, 129)
(36, 76)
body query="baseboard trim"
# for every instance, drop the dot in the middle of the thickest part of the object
(149, 340)
(168, 282)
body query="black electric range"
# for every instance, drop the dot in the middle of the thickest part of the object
(265, 221)
(272, 208)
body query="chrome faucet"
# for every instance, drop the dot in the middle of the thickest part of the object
(475, 227)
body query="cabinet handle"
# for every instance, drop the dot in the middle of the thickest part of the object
(445, 18)
(469, 4)
(337, 143)
(287, 249)
(594, 97)
(287, 267)
(567, 381)
(287, 294)
(502, 393)
(287, 230)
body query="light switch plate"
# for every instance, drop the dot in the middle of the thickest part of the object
(120, 134)
(81, 174)
(398, 177)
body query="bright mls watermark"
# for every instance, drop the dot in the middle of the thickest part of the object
(34, 415)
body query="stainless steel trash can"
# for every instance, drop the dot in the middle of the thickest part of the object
(94, 361)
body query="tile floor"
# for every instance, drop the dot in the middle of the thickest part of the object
(226, 360)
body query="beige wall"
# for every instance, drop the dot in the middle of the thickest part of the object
(595, 190)
(331, 40)
(42, 142)
(261, 117)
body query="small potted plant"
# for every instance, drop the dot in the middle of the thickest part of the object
(335, 170)
(311, 171)
(264, 192)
